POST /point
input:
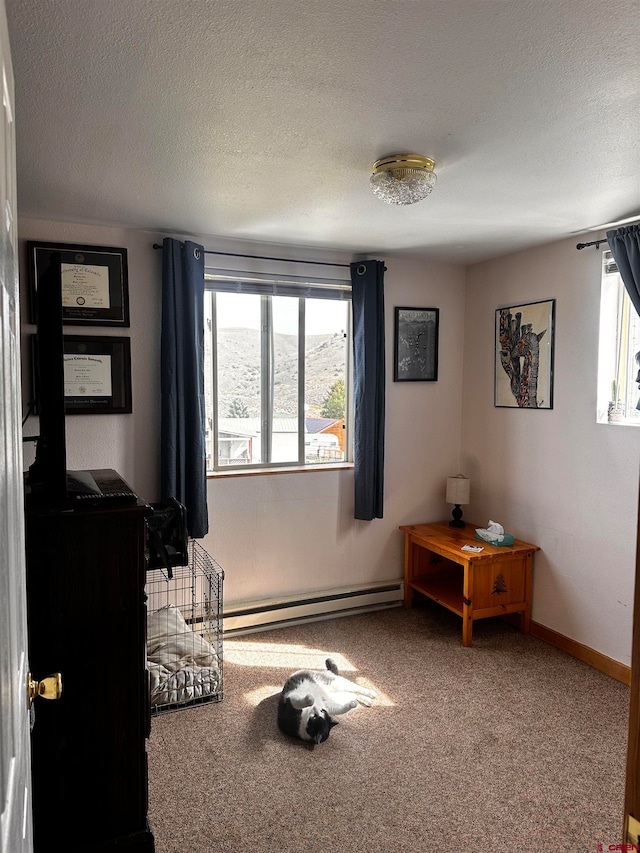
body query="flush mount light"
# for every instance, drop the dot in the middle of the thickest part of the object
(403, 178)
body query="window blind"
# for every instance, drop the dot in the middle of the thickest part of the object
(224, 281)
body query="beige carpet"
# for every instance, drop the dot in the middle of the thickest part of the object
(505, 747)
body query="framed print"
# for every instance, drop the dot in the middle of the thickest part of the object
(97, 375)
(524, 356)
(94, 281)
(416, 345)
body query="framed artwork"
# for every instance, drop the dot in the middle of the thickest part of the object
(97, 375)
(94, 281)
(416, 345)
(524, 355)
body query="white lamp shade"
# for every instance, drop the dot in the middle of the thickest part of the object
(458, 489)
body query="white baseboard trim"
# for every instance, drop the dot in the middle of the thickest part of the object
(249, 617)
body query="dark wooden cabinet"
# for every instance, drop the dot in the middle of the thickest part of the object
(87, 620)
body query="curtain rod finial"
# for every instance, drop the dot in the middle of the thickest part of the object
(595, 243)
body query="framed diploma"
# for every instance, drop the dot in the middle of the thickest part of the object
(94, 281)
(97, 375)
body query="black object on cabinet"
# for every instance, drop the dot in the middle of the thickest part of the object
(87, 620)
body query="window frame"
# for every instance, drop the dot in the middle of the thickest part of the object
(266, 286)
(617, 319)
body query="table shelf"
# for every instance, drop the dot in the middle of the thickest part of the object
(444, 589)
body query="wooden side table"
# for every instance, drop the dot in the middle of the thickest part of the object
(475, 585)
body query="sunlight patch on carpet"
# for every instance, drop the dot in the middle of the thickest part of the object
(281, 655)
(255, 697)
(291, 656)
(381, 700)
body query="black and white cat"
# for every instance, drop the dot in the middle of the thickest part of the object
(310, 697)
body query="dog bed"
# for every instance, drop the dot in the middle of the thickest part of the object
(182, 665)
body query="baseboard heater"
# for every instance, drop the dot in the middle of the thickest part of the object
(248, 617)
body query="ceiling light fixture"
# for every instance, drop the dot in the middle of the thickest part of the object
(403, 178)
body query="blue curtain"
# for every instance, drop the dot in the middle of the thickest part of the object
(625, 248)
(367, 282)
(182, 459)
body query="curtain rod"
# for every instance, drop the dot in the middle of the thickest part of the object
(264, 258)
(595, 243)
(631, 220)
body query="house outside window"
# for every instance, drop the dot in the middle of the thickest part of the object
(277, 371)
(618, 351)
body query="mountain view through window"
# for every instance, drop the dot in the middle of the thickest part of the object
(277, 380)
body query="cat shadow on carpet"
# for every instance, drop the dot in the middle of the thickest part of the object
(263, 730)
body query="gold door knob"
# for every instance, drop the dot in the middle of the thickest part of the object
(48, 688)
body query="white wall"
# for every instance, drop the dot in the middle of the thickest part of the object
(288, 533)
(128, 443)
(281, 534)
(554, 477)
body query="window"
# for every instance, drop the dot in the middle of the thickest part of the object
(277, 371)
(619, 350)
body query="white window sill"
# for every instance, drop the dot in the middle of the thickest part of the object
(293, 469)
(624, 422)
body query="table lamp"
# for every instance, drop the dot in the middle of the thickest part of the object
(458, 491)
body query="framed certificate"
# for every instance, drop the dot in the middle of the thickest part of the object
(94, 281)
(97, 375)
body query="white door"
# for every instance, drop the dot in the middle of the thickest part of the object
(15, 752)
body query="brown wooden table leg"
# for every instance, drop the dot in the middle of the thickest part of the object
(467, 626)
(408, 571)
(525, 616)
(467, 607)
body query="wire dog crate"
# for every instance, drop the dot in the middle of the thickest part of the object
(184, 632)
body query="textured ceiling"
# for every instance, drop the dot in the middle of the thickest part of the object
(261, 119)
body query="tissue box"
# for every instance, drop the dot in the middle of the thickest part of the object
(506, 540)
